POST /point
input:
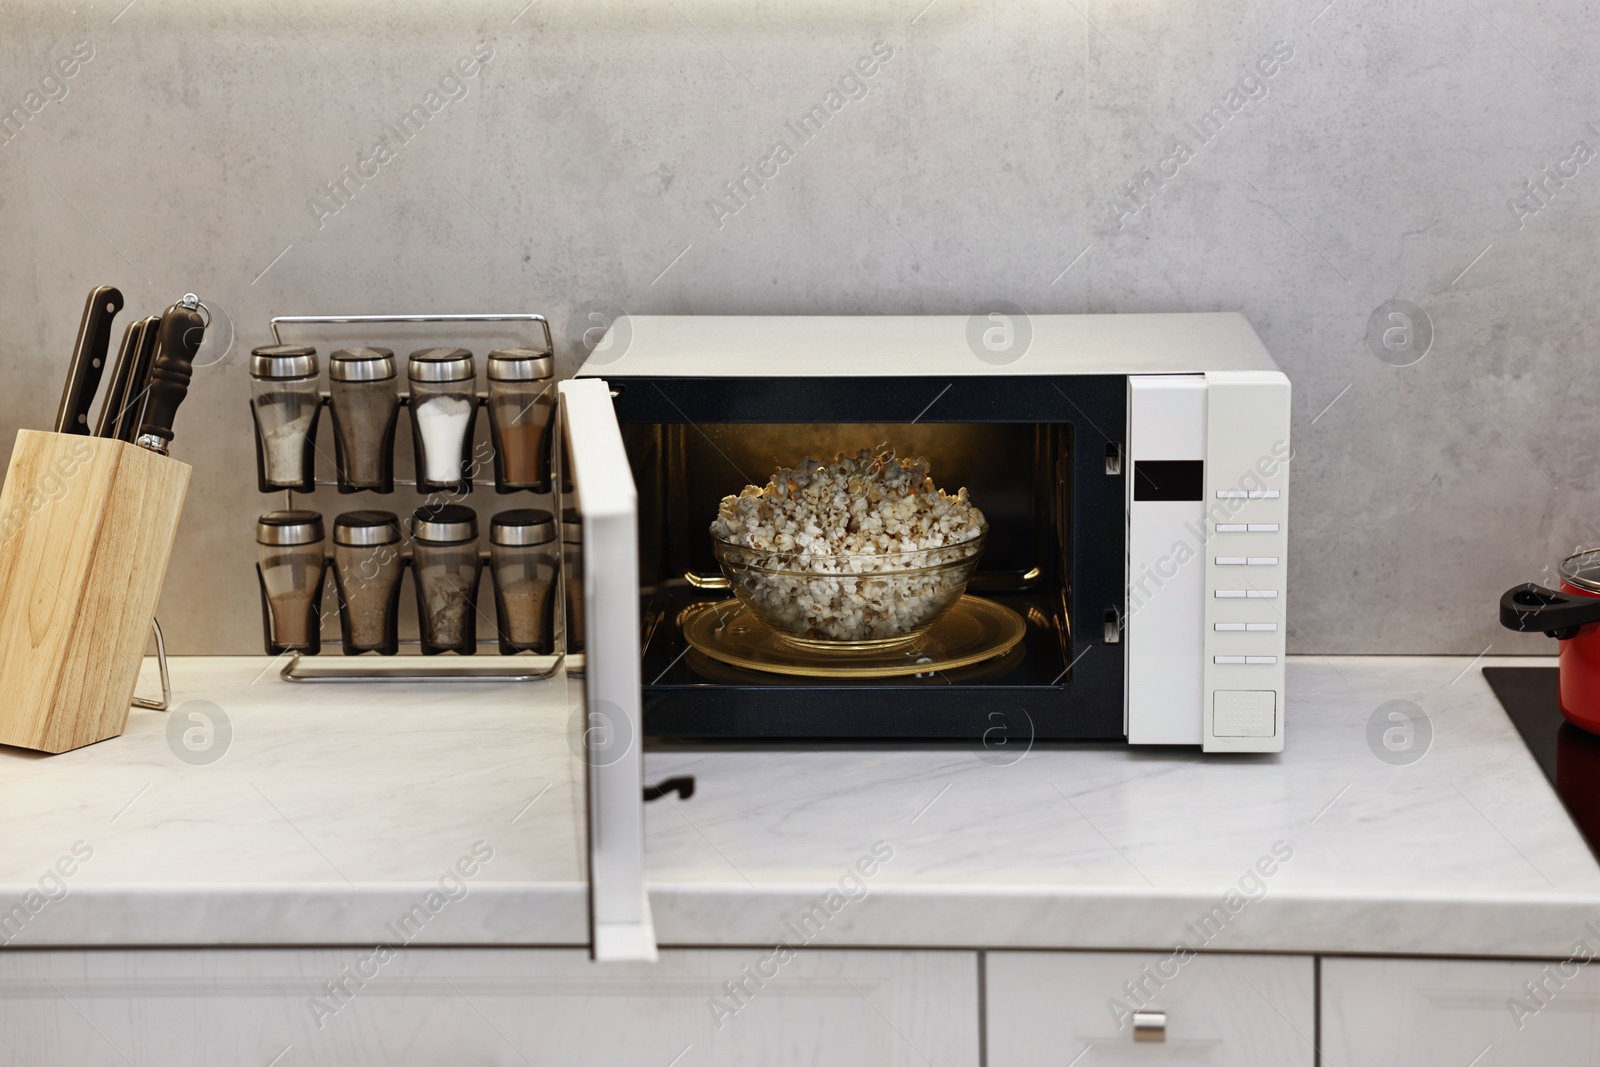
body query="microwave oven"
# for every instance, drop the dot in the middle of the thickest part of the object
(1134, 471)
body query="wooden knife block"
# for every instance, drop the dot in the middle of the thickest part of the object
(86, 529)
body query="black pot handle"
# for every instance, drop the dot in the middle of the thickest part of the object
(1532, 607)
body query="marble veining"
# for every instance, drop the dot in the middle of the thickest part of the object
(1466, 850)
(336, 810)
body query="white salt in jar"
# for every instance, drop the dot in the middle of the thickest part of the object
(444, 405)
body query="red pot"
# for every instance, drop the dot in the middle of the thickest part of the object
(1580, 665)
(1572, 616)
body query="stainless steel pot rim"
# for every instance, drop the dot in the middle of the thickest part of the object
(1582, 569)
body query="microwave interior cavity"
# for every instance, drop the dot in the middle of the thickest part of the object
(1041, 457)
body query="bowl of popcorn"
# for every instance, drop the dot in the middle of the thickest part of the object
(860, 552)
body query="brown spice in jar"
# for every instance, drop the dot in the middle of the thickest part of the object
(519, 452)
(291, 618)
(525, 602)
(367, 602)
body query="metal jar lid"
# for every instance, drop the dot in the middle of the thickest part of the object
(442, 365)
(571, 526)
(1582, 570)
(289, 528)
(445, 524)
(522, 526)
(520, 365)
(283, 362)
(366, 528)
(361, 365)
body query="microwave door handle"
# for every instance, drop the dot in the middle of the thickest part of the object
(607, 690)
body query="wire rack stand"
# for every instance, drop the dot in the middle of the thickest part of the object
(522, 667)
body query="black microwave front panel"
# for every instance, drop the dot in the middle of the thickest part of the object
(1091, 399)
(1064, 682)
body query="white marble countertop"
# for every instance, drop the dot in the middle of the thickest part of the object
(337, 808)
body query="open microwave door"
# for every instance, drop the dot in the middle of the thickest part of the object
(602, 639)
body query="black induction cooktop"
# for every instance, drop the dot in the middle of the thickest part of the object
(1569, 757)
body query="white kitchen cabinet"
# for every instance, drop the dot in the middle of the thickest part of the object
(1455, 1013)
(1060, 1008)
(427, 1007)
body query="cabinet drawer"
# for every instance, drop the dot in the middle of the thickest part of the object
(427, 1007)
(1062, 1008)
(1452, 1013)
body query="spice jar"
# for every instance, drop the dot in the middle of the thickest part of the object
(366, 574)
(365, 407)
(284, 405)
(289, 566)
(521, 402)
(444, 404)
(572, 576)
(444, 552)
(523, 554)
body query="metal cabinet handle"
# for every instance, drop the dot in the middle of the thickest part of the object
(1149, 1026)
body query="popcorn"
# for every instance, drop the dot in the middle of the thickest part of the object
(862, 548)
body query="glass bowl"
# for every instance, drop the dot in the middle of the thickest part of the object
(844, 603)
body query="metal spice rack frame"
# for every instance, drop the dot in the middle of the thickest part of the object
(529, 667)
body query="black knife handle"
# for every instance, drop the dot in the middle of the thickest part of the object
(117, 392)
(88, 359)
(181, 331)
(138, 391)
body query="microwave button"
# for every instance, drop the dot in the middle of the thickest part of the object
(1262, 594)
(1263, 660)
(1244, 713)
(1264, 494)
(1230, 627)
(1227, 659)
(1260, 527)
(1232, 527)
(1230, 594)
(1262, 627)
(1230, 561)
(1232, 494)
(1262, 561)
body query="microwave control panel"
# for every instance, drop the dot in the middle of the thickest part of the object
(1208, 504)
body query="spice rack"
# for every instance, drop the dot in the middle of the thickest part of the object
(307, 664)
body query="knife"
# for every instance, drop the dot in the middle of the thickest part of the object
(88, 359)
(180, 332)
(138, 389)
(117, 391)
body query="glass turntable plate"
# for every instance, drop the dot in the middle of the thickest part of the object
(972, 631)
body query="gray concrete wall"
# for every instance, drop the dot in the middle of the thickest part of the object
(1378, 152)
